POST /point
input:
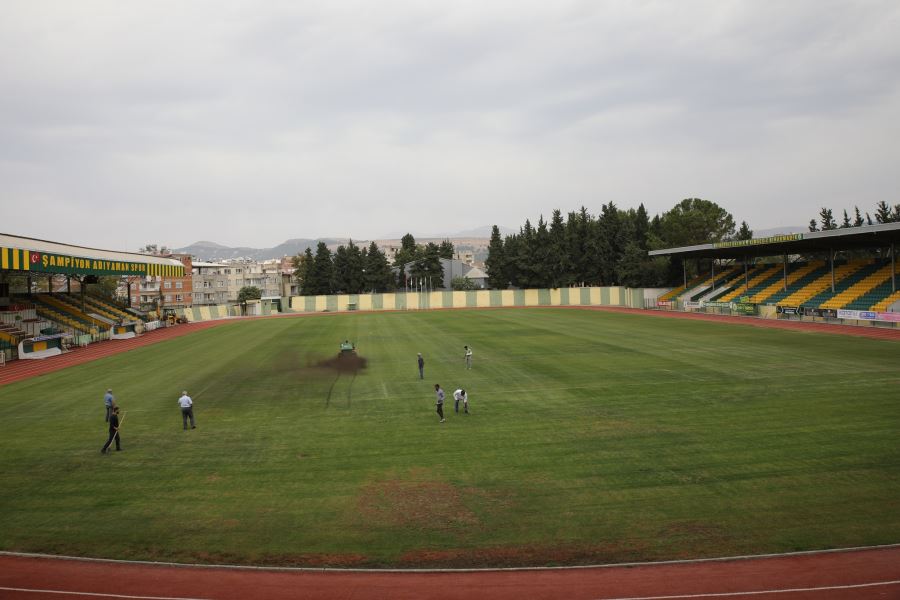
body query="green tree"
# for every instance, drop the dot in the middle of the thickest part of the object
(558, 261)
(858, 220)
(744, 233)
(495, 263)
(108, 286)
(695, 221)
(462, 284)
(247, 293)
(846, 222)
(379, 277)
(321, 274)
(302, 267)
(446, 249)
(812, 225)
(427, 268)
(827, 219)
(883, 213)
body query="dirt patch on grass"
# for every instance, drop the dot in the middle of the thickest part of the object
(423, 505)
(344, 363)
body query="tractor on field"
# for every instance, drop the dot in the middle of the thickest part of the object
(347, 349)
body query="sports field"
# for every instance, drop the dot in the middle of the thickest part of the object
(594, 437)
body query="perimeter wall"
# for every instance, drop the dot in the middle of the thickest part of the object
(587, 296)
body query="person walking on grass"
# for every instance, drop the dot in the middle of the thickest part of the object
(440, 400)
(468, 357)
(458, 395)
(421, 362)
(113, 431)
(187, 410)
(109, 401)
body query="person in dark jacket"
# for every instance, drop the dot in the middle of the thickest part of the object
(113, 431)
(421, 366)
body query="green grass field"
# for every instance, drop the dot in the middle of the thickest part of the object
(594, 437)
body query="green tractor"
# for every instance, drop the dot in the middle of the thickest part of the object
(347, 349)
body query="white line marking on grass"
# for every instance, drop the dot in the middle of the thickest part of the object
(760, 592)
(98, 595)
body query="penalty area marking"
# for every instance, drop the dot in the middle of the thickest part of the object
(98, 594)
(761, 592)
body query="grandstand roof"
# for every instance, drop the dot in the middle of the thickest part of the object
(870, 236)
(29, 254)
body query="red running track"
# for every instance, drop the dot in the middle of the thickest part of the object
(849, 575)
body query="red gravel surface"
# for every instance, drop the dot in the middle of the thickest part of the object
(856, 574)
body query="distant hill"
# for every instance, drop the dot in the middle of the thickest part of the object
(474, 239)
(762, 233)
(212, 251)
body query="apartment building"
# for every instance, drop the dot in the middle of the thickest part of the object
(160, 292)
(221, 282)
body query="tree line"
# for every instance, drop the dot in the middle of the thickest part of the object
(610, 248)
(607, 249)
(883, 214)
(354, 270)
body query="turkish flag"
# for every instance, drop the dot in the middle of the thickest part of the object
(35, 258)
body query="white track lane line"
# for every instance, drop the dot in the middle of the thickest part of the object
(760, 592)
(676, 597)
(98, 595)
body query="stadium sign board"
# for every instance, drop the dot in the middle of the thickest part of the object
(775, 239)
(865, 315)
(44, 262)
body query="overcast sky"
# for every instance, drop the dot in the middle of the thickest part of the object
(248, 123)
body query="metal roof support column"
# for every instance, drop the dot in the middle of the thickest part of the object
(713, 263)
(893, 267)
(684, 272)
(831, 258)
(746, 279)
(785, 273)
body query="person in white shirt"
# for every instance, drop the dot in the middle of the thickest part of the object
(187, 409)
(468, 357)
(458, 395)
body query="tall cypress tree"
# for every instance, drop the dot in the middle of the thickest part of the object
(379, 277)
(495, 261)
(322, 271)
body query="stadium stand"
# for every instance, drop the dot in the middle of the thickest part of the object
(821, 284)
(862, 271)
(721, 280)
(63, 316)
(885, 304)
(868, 282)
(764, 275)
(796, 272)
(675, 292)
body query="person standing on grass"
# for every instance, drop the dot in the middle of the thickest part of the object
(440, 400)
(187, 410)
(458, 395)
(113, 431)
(109, 401)
(421, 366)
(468, 357)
